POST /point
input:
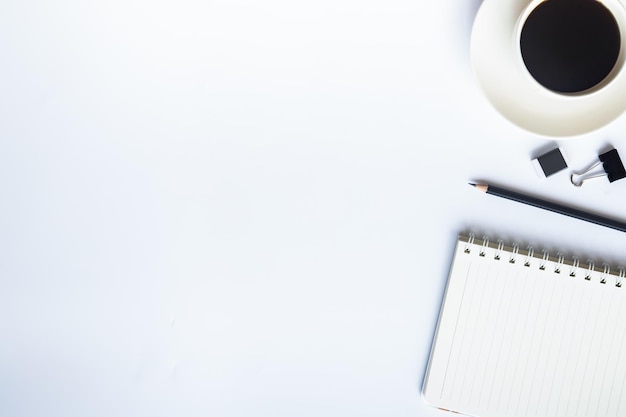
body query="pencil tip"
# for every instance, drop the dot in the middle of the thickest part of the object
(472, 184)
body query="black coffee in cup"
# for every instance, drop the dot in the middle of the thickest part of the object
(570, 46)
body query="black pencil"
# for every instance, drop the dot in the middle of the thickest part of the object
(551, 206)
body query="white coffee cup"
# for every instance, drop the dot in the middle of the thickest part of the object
(608, 15)
(502, 74)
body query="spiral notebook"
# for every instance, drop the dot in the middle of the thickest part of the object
(528, 334)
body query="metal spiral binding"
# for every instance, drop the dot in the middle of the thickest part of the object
(530, 253)
(470, 242)
(558, 261)
(544, 260)
(499, 250)
(591, 267)
(620, 277)
(483, 250)
(605, 273)
(575, 265)
(514, 253)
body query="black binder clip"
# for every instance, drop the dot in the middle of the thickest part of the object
(612, 168)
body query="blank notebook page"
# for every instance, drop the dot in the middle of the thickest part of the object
(527, 335)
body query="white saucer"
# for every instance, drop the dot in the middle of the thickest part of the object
(501, 73)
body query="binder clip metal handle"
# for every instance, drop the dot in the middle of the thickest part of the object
(577, 178)
(612, 168)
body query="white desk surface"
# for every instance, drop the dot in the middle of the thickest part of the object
(240, 208)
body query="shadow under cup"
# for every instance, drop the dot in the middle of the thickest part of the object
(571, 46)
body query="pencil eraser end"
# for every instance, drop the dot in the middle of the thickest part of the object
(549, 163)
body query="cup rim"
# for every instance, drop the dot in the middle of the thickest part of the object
(618, 66)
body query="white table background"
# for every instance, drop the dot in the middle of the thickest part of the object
(239, 208)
